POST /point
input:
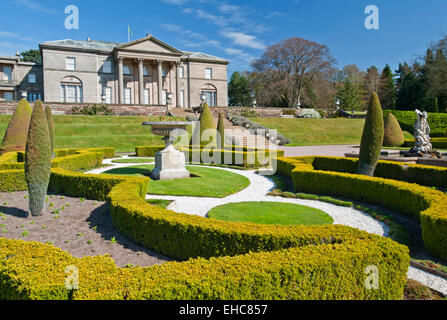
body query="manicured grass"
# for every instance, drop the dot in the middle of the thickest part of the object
(270, 213)
(208, 182)
(124, 133)
(160, 203)
(136, 160)
(308, 132)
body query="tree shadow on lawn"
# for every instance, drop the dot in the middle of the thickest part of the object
(101, 218)
(14, 212)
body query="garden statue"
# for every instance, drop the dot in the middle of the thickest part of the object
(422, 134)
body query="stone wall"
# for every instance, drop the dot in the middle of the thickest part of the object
(66, 108)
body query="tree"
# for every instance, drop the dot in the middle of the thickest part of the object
(387, 89)
(372, 138)
(17, 131)
(239, 90)
(38, 160)
(349, 96)
(371, 80)
(290, 67)
(31, 55)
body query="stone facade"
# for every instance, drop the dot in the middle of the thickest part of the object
(19, 78)
(144, 72)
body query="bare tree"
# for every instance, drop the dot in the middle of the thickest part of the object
(291, 66)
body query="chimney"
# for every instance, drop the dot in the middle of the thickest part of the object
(148, 35)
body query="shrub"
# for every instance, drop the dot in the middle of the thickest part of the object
(438, 143)
(372, 138)
(50, 123)
(148, 151)
(92, 110)
(17, 130)
(393, 135)
(38, 159)
(221, 132)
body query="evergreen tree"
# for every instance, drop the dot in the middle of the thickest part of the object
(387, 89)
(17, 131)
(221, 132)
(239, 90)
(349, 96)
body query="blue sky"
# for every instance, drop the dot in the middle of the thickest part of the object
(236, 30)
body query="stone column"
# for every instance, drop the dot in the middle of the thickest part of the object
(160, 81)
(141, 80)
(121, 80)
(177, 84)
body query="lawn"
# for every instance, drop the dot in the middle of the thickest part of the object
(308, 132)
(270, 213)
(208, 182)
(124, 132)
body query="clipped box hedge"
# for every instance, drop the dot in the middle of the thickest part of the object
(230, 260)
(437, 121)
(328, 176)
(438, 143)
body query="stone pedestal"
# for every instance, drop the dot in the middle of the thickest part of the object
(169, 164)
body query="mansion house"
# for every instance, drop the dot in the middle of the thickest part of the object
(146, 71)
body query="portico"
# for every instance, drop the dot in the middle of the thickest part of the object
(156, 73)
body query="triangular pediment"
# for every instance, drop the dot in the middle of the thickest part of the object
(149, 44)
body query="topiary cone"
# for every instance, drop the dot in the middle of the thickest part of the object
(49, 116)
(372, 138)
(393, 135)
(207, 127)
(17, 131)
(221, 132)
(38, 160)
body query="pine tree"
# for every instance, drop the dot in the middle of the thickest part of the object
(387, 89)
(372, 138)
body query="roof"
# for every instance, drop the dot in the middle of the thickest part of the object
(203, 56)
(104, 46)
(94, 45)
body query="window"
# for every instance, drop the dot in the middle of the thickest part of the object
(107, 66)
(70, 64)
(208, 73)
(126, 70)
(181, 72)
(127, 96)
(211, 97)
(108, 92)
(7, 73)
(33, 96)
(164, 72)
(146, 96)
(8, 96)
(146, 71)
(182, 98)
(32, 79)
(71, 93)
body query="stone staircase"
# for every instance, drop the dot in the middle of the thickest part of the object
(242, 135)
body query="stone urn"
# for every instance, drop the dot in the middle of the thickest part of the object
(170, 162)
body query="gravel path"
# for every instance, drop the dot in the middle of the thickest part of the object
(260, 186)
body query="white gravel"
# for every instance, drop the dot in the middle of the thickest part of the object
(258, 189)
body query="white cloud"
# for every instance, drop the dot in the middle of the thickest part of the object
(13, 35)
(34, 6)
(244, 40)
(178, 29)
(239, 54)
